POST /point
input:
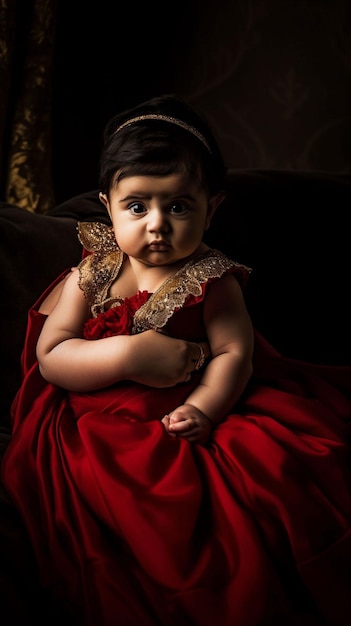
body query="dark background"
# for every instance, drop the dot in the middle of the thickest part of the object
(273, 77)
(109, 56)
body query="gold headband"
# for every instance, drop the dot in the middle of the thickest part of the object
(166, 118)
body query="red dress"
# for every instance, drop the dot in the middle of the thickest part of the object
(134, 528)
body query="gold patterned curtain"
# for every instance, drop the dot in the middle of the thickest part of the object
(27, 29)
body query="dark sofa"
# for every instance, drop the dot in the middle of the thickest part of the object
(290, 227)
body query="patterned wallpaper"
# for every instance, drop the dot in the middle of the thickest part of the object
(274, 78)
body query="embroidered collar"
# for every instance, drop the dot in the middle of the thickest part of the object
(100, 269)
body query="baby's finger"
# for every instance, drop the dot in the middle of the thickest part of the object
(184, 426)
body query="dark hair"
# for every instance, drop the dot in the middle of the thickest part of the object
(158, 148)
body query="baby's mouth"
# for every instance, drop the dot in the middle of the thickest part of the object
(158, 246)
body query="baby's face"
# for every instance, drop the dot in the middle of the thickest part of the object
(159, 220)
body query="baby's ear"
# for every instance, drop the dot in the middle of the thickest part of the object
(213, 205)
(105, 201)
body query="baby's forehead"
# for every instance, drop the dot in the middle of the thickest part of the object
(178, 183)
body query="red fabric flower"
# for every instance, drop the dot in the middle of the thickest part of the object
(115, 321)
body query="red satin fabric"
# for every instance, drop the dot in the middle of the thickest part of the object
(132, 527)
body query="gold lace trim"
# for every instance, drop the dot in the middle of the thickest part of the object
(99, 270)
(97, 237)
(173, 292)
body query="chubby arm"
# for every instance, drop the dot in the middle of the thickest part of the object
(74, 363)
(230, 335)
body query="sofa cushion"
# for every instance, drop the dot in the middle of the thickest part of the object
(34, 250)
(292, 228)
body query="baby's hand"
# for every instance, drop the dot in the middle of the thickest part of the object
(188, 422)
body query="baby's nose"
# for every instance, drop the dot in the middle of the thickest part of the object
(157, 221)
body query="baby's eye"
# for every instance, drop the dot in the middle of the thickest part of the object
(178, 208)
(137, 208)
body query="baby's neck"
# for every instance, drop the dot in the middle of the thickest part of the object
(150, 277)
(138, 276)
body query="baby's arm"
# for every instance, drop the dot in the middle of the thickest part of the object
(230, 335)
(72, 362)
